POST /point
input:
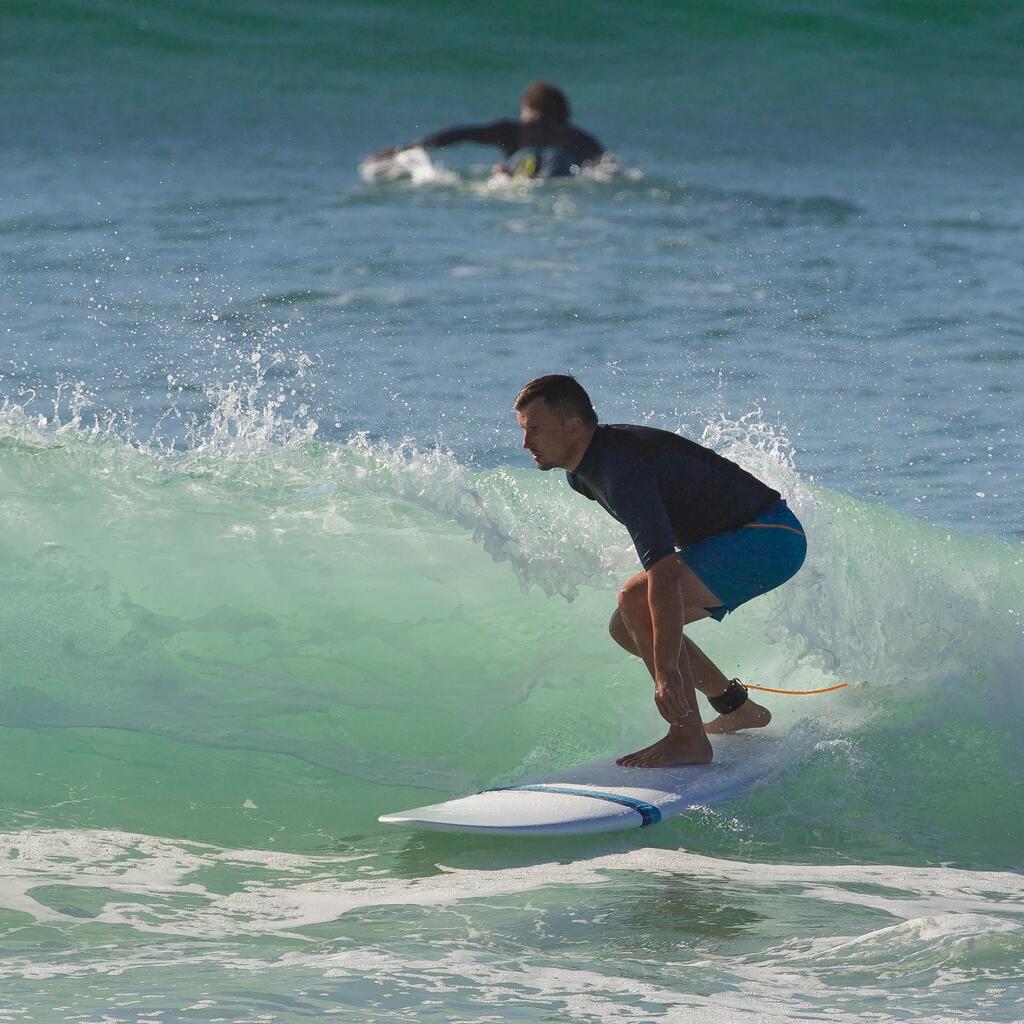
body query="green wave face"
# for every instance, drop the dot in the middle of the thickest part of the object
(281, 645)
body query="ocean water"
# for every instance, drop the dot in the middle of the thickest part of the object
(274, 563)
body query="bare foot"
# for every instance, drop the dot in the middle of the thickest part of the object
(677, 747)
(636, 753)
(747, 716)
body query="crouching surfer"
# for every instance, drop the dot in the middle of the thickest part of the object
(710, 537)
(541, 144)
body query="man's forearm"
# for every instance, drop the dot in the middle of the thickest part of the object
(665, 598)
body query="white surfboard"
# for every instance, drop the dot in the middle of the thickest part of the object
(412, 164)
(597, 797)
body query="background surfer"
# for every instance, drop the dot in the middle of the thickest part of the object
(709, 535)
(541, 144)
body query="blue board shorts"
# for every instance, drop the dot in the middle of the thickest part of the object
(749, 561)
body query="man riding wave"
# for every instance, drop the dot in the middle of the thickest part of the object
(709, 535)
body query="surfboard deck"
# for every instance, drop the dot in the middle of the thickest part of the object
(595, 797)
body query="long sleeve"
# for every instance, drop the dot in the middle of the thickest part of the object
(503, 134)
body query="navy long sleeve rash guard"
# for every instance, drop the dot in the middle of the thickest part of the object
(666, 490)
(511, 136)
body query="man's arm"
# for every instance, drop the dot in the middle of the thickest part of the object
(499, 133)
(502, 134)
(632, 491)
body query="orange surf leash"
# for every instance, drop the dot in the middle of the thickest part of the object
(795, 693)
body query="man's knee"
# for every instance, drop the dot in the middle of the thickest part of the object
(633, 596)
(620, 634)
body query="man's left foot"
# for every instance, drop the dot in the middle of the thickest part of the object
(747, 716)
(675, 749)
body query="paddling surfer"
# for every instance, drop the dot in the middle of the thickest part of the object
(710, 537)
(541, 144)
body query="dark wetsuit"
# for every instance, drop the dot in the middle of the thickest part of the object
(553, 143)
(666, 490)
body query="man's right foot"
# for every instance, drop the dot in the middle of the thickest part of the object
(679, 747)
(747, 716)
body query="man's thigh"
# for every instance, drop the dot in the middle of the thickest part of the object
(697, 598)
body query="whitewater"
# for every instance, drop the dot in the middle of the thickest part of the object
(274, 562)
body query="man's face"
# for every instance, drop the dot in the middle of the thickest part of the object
(551, 440)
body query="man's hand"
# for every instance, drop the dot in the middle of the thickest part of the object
(670, 697)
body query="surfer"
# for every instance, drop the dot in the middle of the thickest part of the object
(541, 144)
(710, 537)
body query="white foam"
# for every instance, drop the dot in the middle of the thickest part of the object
(931, 929)
(315, 890)
(414, 164)
(945, 935)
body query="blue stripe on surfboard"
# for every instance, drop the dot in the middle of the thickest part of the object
(650, 814)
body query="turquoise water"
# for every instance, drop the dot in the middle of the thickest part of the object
(274, 563)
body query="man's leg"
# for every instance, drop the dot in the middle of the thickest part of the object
(631, 628)
(710, 680)
(707, 677)
(685, 742)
